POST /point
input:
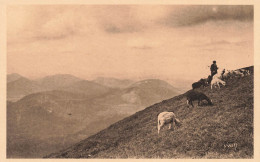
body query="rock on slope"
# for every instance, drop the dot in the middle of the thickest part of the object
(204, 133)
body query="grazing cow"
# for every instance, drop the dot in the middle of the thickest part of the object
(167, 118)
(217, 81)
(194, 95)
(201, 82)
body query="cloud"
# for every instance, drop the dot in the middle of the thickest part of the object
(142, 43)
(224, 43)
(214, 43)
(114, 28)
(48, 22)
(55, 22)
(118, 19)
(132, 18)
(125, 40)
(193, 15)
(60, 26)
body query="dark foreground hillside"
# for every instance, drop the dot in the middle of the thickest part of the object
(224, 130)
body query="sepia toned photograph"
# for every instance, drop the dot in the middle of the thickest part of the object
(129, 81)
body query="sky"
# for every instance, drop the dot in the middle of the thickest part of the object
(168, 42)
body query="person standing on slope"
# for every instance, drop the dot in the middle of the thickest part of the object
(214, 68)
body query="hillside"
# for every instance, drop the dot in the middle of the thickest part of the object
(38, 121)
(143, 93)
(13, 77)
(88, 88)
(21, 87)
(44, 122)
(137, 96)
(55, 81)
(206, 131)
(113, 82)
(49, 121)
(150, 91)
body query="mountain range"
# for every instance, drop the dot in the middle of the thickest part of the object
(47, 115)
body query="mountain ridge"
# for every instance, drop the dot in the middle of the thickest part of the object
(73, 114)
(58, 80)
(13, 76)
(113, 82)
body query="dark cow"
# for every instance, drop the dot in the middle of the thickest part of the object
(194, 95)
(201, 82)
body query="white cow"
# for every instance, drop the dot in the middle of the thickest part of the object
(167, 118)
(216, 81)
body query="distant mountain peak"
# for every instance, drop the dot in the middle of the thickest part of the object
(60, 76)
(13, 76)
(58, 80)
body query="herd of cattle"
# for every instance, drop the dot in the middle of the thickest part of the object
(192, 95)
(220, 78)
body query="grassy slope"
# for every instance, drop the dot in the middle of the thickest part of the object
(204, 132)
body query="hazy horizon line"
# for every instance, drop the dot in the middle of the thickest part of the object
(98, 76)
(101, 76)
